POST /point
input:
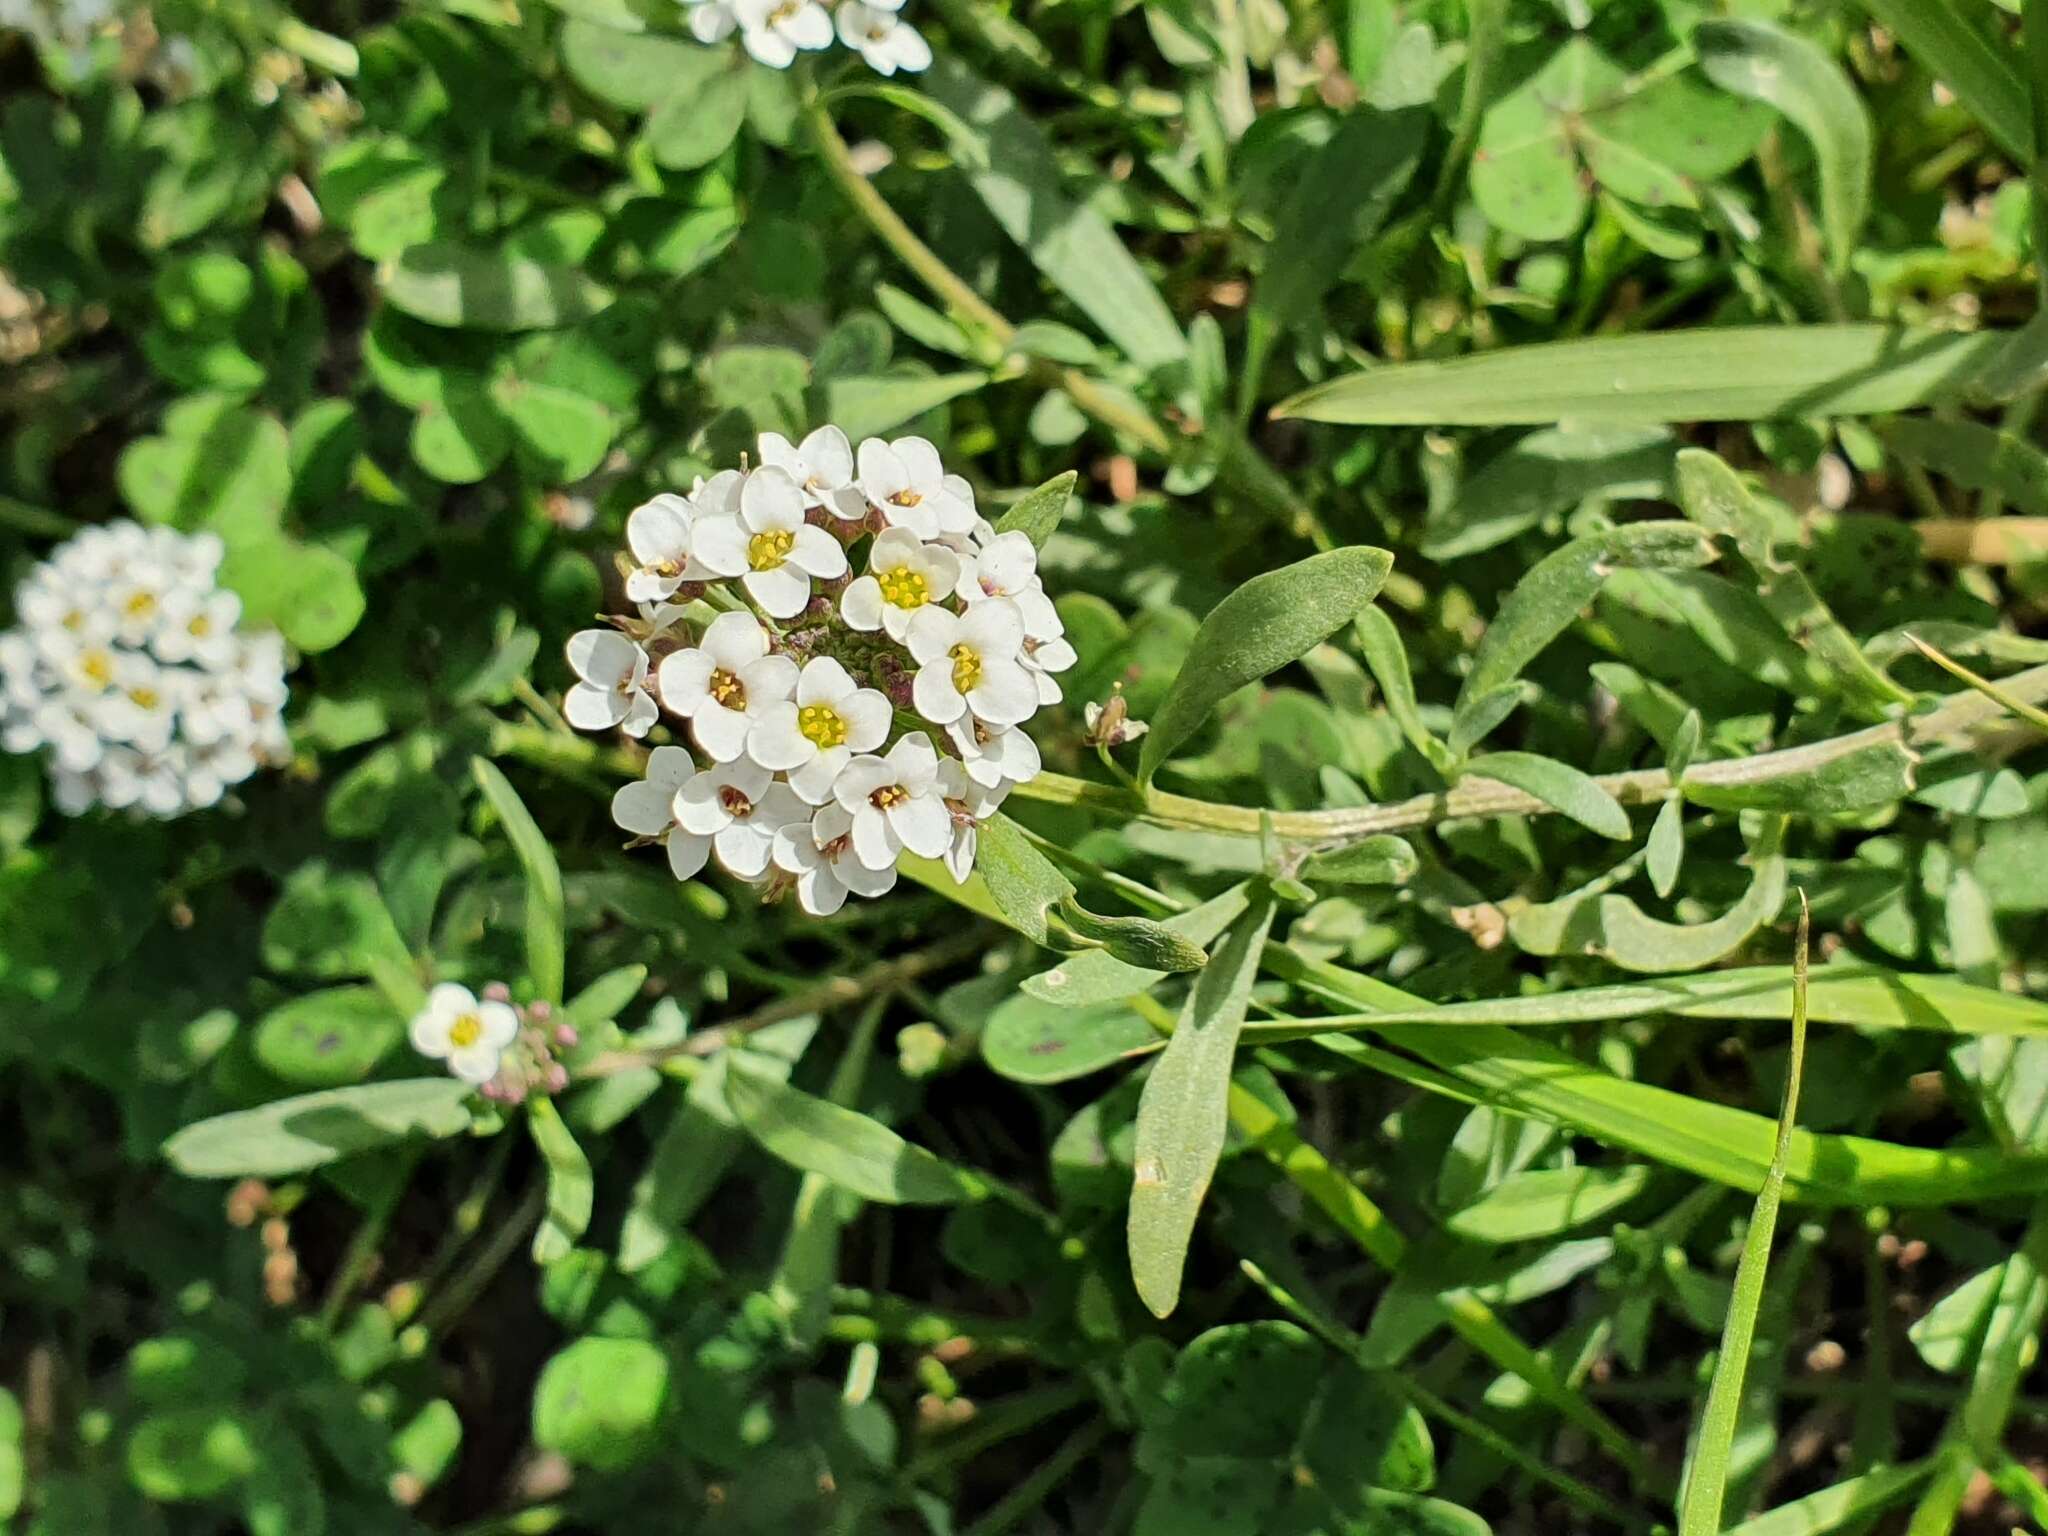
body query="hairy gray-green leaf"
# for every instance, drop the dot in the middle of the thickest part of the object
(1020, 880)
(1380, 860)
(570, 1188)
(1546, 1202)
(292, 1135)
(1380, 643)
(1183, 1113)
(1564, 788)
(1097, 976)
(1137, 941)
(1037, 513)
(1262, 626)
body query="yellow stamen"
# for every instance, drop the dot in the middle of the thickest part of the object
(766, 551)
(97, 668)
(144, 698)
(465, 1031)
(904, 588)
(821, 725)
(905, 498)
(966, 667)
(888, 795)
(727, 689)
(140, 605)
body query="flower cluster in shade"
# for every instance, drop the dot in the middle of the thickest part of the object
(507, 1051)
(128, 669)
(776, 31)
(856, 651)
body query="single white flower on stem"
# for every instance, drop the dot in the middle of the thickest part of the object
(1007, 566)
(904, 574)
(612, 684)
(822, 467)
(711, 21)
(725, 683)
(470, 1036)
(773, 30)
(820, 853)
(968, 805)
(993, 755)
(647, 809)
(881, 37)
(911, 489)
(740, 808)
(769, 546)
(894, 801)
(813, 736)
(971, 661)
(658, 533)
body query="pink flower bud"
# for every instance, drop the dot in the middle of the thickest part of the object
(566, 1035)
(497, 992)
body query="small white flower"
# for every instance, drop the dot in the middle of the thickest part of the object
(658, 533)
(813, 736)
(887, 42)
(904, 574)
(647, 809)
(726, 683)
(198, 625)
(1007, 566)
(469, 1035)
(612, 684)
(894, 801)
(711, 21)
(820, 854)
(992, 755)
(769, 546)
(773, 30)
(971, 661)
(822, 467)
(968, 804)
(740, 809)
(141, 708)
(911, 489)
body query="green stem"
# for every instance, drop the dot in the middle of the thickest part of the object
(1020, 1501)
(38, 522)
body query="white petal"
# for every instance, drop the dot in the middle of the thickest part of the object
(475, 1064)
(923, 824)
(641, 713)
(659, 530)
(779, 452)
(860, 779)
(776, 743)
(810, 27)
(861, 604)
(916, 762)
(921, 462)
(698, 807)
(905, 48)
(814, 780)
(1006, 693)
(933, 695)
(781, 592)
(590, 708)
(772, 502)
(882, 474)
(770, 48)
(820, 891)
(875, 844)
(687, 852)
(602, 656)
(829, 456)
(994, 628)
(710, 22)
(795, 849)
(933, 632)
(671, 768)
(768, 681)
(779, 806)
(863, 881)
(817, 552)
(734, 640)
(867, 715)
(721, 732)
(684, 679)
(500, 1024)
(642, 808)
(743, 848)
(720, 543)
(824, 681)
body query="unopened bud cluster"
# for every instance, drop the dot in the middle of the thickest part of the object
(129, 671)
(856, 650)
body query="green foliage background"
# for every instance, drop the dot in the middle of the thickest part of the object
(1685, 358)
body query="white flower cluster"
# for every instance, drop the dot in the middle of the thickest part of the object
(775, 31)
(126, 669)
(793, 671)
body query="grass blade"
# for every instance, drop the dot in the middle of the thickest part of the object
(1699, 1509)
(545, 911)
(1938, 34)
(2027, 712)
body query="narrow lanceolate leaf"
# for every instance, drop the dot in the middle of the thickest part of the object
(1019, 881)
(1262, 626)
(1037, 514)
(444, 283)
(1547, 1201)
(1183, 1114)
(1380, 644)
(295, 1134)
(1768, 63)
(1733, 373)
(1715, 497)
(1706, 1484)
(545, 941)
(1337, 205)
(1833, 1509)
(843, 1145)
(1944, 39)
(1547, 601)
(1559, 785)
(570, 1188)
(869, 406)
(1019, 181)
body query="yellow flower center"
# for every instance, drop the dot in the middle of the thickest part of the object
(766, 551)
(727, 689)
(905, 498)
(820, 724)
(888, 795)
(966, 667)
(140, 605)
(199, 627)
(904, 588)
(784, 12)
(144, 698)
(666, 568)
(97, 667)
(75, 619)
(465, 1031)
